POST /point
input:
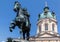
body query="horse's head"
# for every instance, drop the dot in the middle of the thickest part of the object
(17, 6)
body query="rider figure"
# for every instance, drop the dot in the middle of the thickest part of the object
(27, 16)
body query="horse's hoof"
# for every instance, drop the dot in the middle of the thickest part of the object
(10, 30)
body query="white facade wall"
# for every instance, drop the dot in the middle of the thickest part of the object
(49, 22)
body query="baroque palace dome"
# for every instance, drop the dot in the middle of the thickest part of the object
(47, 14)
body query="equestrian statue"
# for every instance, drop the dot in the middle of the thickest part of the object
(21, 20)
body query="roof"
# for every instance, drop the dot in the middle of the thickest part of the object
(47, 14)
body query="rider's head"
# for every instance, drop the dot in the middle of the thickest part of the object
(24, 9)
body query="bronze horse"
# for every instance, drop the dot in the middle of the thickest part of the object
(21, 20)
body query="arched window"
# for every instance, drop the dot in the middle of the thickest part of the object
(40, 28)
(46, 26)
(52, 27)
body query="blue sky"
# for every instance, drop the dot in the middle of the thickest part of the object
(34, 7)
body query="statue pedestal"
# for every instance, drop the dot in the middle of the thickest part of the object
(24, 41)
(19, 40)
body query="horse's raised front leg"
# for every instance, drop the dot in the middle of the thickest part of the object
(12, 26)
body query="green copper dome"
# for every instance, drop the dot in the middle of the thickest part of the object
(47, 14)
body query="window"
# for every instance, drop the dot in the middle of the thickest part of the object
(52, 27)
(40, 28)
(46, 26)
